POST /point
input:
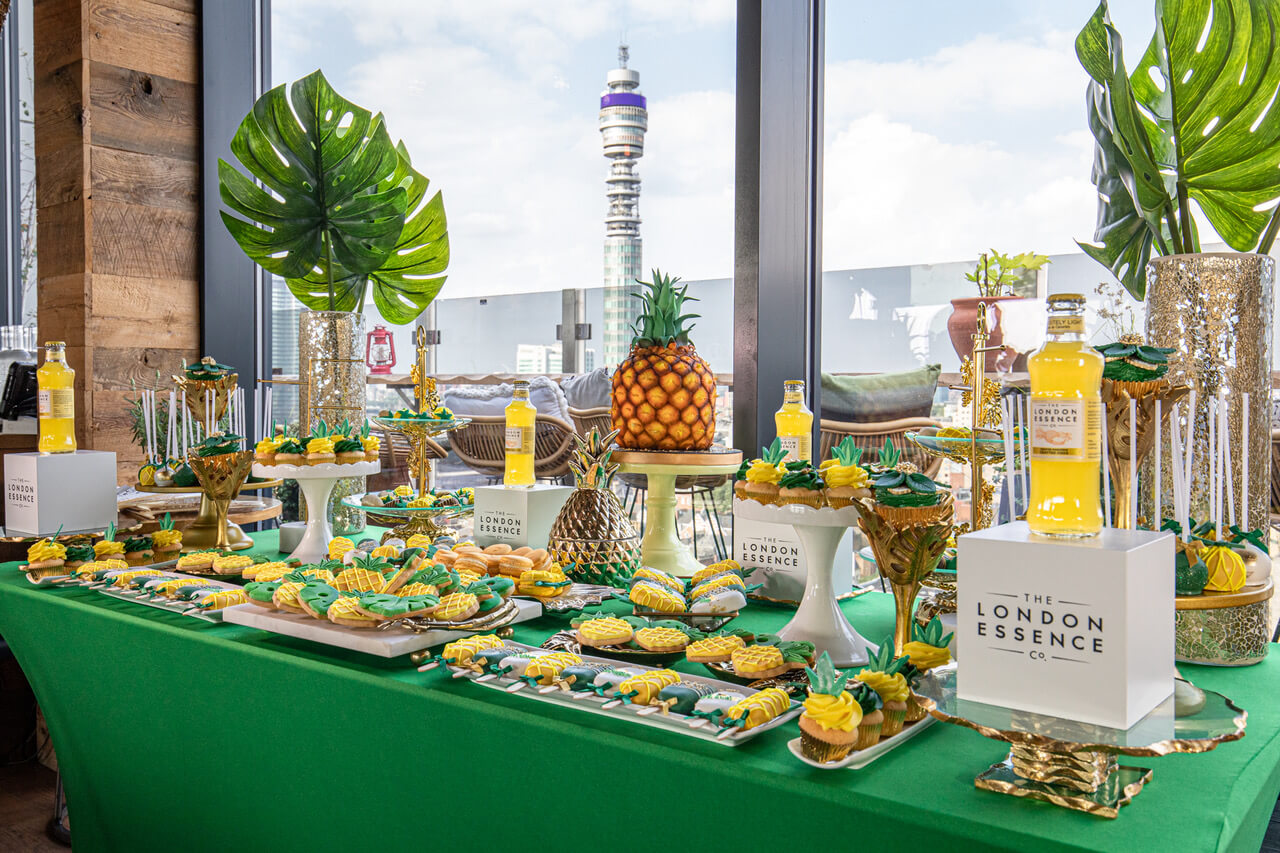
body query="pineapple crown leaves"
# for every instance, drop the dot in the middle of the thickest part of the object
(773, 454)
(931, 634)
(1151, 355)
(661, 322)
(166, 523)
(883, 659)
(320, 429)
(364, 430)
(590, 461)
(108, 535)
(846, 452)
(889, 455)
(372, 563)
(825, 678)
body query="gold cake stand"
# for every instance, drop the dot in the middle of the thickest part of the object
(417, 431)
(203, 533)
(1073, 764)
(406, 521)
(661, 547)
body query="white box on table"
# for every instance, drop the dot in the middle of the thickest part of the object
(1075, 628)
(45, 491)
(517, 516)
(774, 552)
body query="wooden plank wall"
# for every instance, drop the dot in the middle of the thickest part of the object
(117, 138)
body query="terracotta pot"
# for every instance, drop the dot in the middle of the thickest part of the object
(964, 321)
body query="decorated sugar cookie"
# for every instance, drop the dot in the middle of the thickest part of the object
(195, 561)
(271, 571)
(339, 546)
(357, 579)
(758, 708)
(652, 596)
(457, 607)
(262, 593)
(221, 599)
(286, 595)
(460, 652)
(643, 689)
(545, 669)
(346, 611)
(661, 639)
(713, 649)
(659, 577)
(604, 631)
(316, 597)
(758, 661)
(231, 564)
(384, 605)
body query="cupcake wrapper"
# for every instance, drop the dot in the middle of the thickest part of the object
(819, 750)
(868, 736)
(893, 721)
(901, 516)
(915, 711)
(1137, 389)
(814, 500)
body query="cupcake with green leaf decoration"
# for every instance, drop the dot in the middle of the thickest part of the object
(882, 675)
(872, 724)
(801, 485)
(763, 475)
(904, 496)
(829, 722)
(928, 648)
(845, 479)
(1133, 366)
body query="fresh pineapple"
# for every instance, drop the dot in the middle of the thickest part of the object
(664, 394)
(592, 537)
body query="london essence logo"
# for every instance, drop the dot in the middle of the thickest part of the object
(769, 552)
(499, 523)
(1040, 627)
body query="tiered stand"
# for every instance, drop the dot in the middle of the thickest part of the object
(316, 483)
(818, 618)
(662, 548)
(406, 521)
(417, 431)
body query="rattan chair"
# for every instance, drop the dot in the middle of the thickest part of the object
(585, 419)
(394, 457)
(870, 437)
(481, 445)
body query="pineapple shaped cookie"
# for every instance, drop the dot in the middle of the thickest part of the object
(664, 393)
(592, 538)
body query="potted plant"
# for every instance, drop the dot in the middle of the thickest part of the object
(999, 278)
(1194, 123)
(335, 208)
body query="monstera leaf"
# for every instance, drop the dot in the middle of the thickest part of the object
(339, 206)
(407, 281)
(1193, 121)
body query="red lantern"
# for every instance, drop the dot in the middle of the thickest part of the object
(380, 351)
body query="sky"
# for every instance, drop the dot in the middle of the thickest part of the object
(949, 127)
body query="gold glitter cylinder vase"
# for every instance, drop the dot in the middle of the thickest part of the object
(1215, 310)
(331, 387)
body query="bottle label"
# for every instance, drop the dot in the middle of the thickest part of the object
(519, 439)
(56, 403)
(798, 447)
(1066, 430)
(1066, 325)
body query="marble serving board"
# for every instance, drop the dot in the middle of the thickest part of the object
(640, 714)
(389, 643)
(863, 757)
(184, 608)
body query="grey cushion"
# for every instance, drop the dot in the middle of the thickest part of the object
(881, 396)
(471, 400)
(588, 390)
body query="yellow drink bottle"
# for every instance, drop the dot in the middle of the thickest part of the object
(521, 416)
(1066, 426)
(56, 401)
(794, 423)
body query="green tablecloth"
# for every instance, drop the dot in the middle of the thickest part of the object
(174, 734)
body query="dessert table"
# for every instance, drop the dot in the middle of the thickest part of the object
(176, 734)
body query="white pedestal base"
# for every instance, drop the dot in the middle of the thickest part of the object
(316, 483)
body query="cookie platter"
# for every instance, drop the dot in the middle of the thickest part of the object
(390, 641)
(607, 704)
(149, 590)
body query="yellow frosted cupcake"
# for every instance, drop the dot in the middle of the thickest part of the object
(830, 721)
(320, 450)
(882, 676)
(845, 479)
(764, 474)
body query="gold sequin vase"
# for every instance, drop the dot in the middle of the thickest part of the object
(1215, 310)
(331, 387)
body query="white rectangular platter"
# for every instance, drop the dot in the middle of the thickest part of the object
(390, 643)
(185, 608)
(863, 757)
(644, 715)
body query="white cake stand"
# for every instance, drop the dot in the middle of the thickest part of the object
(316, 483)
(818, 619)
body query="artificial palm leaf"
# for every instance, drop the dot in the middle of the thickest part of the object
(1193, 121)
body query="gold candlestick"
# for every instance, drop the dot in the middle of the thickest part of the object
(1115, 398)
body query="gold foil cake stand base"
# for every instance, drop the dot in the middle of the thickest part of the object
(1120, 786)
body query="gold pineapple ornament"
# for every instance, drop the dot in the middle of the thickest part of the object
(664, 393)
(592, 538)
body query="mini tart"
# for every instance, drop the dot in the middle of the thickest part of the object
(757, 662)
(604, 631)
(661, 639)
(713, 649)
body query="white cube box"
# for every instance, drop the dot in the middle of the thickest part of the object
(517, 517)
(45, 491)
(774, 554)
(1081, 629)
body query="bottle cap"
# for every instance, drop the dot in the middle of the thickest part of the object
(1067, 297)
(55, 343)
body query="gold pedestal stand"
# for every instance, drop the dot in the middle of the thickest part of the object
(1073, 764)
(204, 532)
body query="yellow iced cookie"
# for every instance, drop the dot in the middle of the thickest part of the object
(460, 652)
(340, 546)
(457, 607)
(357, 579)
(651, 597)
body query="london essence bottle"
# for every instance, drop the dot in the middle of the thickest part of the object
(794, 423)
(521, 419)
(56, 401)
(1066, 426)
